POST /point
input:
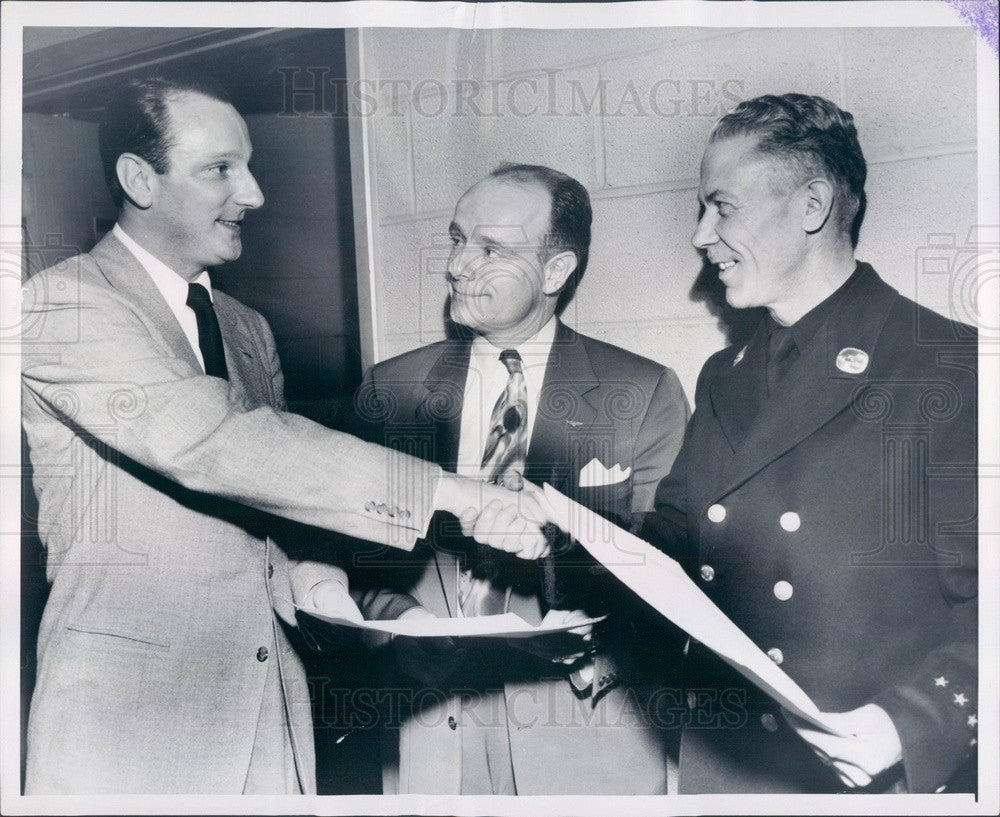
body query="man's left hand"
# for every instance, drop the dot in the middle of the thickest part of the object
(872, 744)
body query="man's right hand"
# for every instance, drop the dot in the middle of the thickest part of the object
(494, 516)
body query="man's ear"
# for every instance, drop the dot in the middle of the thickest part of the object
(557, 271)
(137, 178)
(819, 195)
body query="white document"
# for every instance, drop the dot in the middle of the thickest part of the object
(508, 625)
(662, 583)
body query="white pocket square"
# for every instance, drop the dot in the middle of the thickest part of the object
(594, 473)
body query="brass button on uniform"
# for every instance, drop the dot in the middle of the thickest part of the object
(451, 723)
(769, 722)
(692, 700)
(716, 513)
(776, 655)
(405, 514)
(262, 654)
(783, 591)
(707, 573)
(380, 508)
(790, 521)
(369, 506)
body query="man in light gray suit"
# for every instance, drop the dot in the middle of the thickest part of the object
(161, 447)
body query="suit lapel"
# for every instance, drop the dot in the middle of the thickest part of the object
(247, 374)
(442, 403)
(564, 410)
(740, 388)
(814, 390)
(124, 272)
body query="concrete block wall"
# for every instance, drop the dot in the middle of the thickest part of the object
(627, 112)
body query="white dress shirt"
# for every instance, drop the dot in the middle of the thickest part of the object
(172, 286)
(486, 381)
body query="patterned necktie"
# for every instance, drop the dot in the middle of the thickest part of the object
(507, 445)
(781, 353)
(503, 463)
(209, 334)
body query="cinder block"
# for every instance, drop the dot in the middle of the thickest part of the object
(642, 265)
(410, 286)
(415, 54)
(661, 107)
(521, 50)
(910, 88)
(683, 346)
(393, 158)
(913, 205)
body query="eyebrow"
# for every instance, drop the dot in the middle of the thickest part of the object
(228, 155)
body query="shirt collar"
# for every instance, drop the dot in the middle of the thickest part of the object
(534, 351)
(171, 285)
(806, 327)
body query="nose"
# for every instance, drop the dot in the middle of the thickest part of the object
(458, 266)
(704, 233)
(249, 194)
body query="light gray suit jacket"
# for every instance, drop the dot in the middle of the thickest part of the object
(151, 479)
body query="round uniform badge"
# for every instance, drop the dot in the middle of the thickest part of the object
(852, 361)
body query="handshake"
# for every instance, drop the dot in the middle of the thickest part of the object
(505, 519)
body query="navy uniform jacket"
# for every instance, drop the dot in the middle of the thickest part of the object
(835, 523)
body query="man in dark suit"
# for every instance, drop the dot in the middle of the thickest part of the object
(825, 495)
(154, 411)
(526, 397)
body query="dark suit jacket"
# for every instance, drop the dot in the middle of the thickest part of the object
(858, 493)
(597, 401)
(164, 581)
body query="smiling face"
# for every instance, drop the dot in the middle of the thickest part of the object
(198, 204)
(500, 287)
(751, 225)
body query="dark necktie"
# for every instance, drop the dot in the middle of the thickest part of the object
(781, 353)
(209, 334)
(504, 456)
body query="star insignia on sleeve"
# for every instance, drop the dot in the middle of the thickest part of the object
(960, 699)
(941, 681)
(973, 720)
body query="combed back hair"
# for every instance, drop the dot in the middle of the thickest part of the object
(813, 135)
(569, 221)
(136, 120)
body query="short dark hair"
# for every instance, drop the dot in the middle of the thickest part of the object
(136, 120)
(815, 135)
(569, 220)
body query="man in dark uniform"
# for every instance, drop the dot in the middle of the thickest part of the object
(825, 494)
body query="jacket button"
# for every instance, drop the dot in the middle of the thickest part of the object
(768, 721)
(783, 591)
(707, 573)
(380, 508)
(270, 570)
(405, 514)
(776, 655)
(692, 700)
(451, 723)
(716, 513)
(262, 654)
(790, 521)
(369, 506)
